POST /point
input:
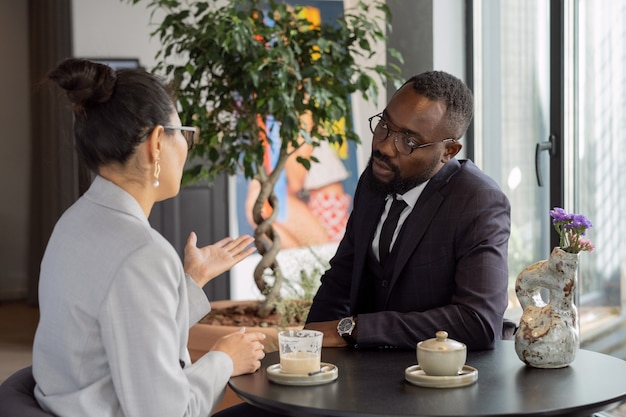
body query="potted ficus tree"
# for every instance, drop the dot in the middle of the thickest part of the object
(237, 64)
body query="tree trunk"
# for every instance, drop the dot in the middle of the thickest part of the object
(266, 240)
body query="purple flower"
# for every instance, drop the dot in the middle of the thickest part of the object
(558, 215)
(571, 228)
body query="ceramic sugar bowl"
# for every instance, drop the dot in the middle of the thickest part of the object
(441, 356)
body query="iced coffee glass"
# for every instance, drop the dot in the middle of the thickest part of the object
(300, 351)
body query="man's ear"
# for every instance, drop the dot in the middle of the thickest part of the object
(452, 149)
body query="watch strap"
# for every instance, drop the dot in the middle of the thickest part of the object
(348, 338)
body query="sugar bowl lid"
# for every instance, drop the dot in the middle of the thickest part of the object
(441, 343)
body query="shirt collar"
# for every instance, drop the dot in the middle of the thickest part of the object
(411, 196)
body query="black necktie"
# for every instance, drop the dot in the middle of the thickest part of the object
(389, 226)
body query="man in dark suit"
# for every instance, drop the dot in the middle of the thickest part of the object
(447, 266)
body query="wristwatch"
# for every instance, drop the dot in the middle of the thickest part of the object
(345, 328)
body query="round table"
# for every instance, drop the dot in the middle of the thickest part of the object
(372, 383)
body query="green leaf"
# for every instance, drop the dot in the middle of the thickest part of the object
(305, 162)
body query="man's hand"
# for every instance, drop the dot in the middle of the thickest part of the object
(329, 328)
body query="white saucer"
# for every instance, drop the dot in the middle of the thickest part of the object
(275, 374)
(416, 376)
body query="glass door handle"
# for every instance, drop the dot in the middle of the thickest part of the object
(550, 146)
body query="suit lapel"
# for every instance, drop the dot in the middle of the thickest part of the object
(365, 229)
(420, 218)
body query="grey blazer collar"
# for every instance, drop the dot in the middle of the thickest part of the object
(106, 193)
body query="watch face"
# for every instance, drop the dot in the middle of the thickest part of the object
(345, 325)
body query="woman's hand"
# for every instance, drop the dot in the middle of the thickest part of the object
(245, 350)
(204, 264)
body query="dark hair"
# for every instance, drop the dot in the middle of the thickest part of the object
(439, 85)
(114, 110)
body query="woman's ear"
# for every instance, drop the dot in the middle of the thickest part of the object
(154, 142)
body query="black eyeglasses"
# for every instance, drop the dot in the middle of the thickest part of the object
(403, 142)
(187, 131)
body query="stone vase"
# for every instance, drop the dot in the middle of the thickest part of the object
(548, 335)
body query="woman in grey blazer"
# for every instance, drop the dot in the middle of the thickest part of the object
(116, 302)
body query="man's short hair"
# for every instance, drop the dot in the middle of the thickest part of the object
(441, 86)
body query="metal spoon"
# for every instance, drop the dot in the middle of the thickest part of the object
(325, 368)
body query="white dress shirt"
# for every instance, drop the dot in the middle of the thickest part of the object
(410, 198)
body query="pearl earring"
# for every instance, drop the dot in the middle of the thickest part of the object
(157, 171)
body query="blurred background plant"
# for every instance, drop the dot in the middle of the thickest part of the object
(293, 307)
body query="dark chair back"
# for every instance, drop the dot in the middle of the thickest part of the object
(17, 396)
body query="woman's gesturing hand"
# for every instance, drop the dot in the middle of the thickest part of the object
(206, 263)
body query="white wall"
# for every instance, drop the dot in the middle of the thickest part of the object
(449, 37)
(114, 29)
(15, 148)
(449, 41)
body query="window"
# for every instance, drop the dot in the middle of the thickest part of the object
(511, 88)
(545, 68)
(598, 144)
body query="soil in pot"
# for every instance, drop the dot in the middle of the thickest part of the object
(290, 313)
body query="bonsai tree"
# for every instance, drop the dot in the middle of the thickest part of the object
(236, 64)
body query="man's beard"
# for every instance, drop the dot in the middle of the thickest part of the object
(397, 185)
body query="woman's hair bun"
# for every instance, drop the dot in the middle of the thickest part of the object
(85, 82)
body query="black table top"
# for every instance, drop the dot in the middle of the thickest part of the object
(371, 383)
